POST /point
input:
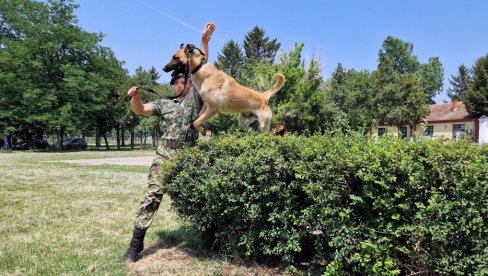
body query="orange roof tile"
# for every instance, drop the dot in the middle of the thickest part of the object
(447, 111)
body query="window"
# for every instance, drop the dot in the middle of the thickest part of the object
(429, 131)
(381, 131)
(458, 131)
(403, 132)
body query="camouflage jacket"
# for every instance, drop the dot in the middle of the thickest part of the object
(177, 116)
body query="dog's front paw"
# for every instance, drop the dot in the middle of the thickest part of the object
(202, 131)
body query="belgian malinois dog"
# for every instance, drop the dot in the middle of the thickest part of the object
(221, 93)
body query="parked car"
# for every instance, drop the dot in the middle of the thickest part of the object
(34, 143)
(74, 143)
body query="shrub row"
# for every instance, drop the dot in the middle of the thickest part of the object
(342, 203)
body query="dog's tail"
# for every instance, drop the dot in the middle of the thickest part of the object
(280, 81)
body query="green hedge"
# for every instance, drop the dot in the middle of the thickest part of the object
(340, 203)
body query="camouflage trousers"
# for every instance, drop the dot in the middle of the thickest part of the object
(153, 195)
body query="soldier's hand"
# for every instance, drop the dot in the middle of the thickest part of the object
(133, 91)
(208, 31)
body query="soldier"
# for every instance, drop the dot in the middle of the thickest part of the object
(177, 113)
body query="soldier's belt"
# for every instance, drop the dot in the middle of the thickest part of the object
(173, 144)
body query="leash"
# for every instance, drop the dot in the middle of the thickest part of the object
(150, 90)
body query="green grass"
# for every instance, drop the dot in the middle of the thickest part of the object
(59, 218)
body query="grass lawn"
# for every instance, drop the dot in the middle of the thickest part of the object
(59, 218)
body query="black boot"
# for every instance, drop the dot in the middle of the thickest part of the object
(136, 245)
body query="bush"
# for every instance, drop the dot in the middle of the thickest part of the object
(342, 203)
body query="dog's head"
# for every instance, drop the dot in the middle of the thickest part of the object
(187, 55)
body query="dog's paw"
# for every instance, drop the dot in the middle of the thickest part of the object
(203, 132)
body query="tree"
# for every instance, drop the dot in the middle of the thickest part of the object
(259, 47)
(155, 75)
(112, 82)
(431, 75)
(476, 98)
(15, 61)
(400, 99)
(54, 73)
(460, 83)
(230, 59)
(352, 92)
(403, 61)
(400, 53)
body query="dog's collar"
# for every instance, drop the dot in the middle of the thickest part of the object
(194, 71)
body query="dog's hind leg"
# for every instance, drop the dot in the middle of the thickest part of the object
(242, 120)
(264, 118)
(246, 119)
(209, 112)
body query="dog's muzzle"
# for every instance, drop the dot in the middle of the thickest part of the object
(180, 68)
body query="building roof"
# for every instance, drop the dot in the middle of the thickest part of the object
(448, 112)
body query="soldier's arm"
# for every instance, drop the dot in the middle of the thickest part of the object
(206, 36)
(136, 104)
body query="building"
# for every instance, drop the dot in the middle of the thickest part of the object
(447, 120)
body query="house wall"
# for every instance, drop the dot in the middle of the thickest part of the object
(445, 129)
(441, 129)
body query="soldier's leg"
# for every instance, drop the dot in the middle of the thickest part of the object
(149, 203)
(153, 195)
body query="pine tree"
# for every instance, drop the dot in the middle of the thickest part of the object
(460, 83)
(230, 59)
(476, 99)
(259, 47)
(154, 76)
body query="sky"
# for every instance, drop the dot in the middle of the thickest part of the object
(146, 32)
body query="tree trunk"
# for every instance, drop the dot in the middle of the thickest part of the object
(141, 139)
(132, 137)
(59, 137)
(106, 142)
(117, 134)
(97, 138)
(123, 135)
(145, 138)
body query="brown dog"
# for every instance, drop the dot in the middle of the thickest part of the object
(221, 93)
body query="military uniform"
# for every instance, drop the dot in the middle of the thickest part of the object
(177, 116)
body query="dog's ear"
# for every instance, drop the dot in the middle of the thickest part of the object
(189, 48)
(182, 45)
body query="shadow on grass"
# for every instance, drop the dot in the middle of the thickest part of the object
(187, 241)
(184, 239)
